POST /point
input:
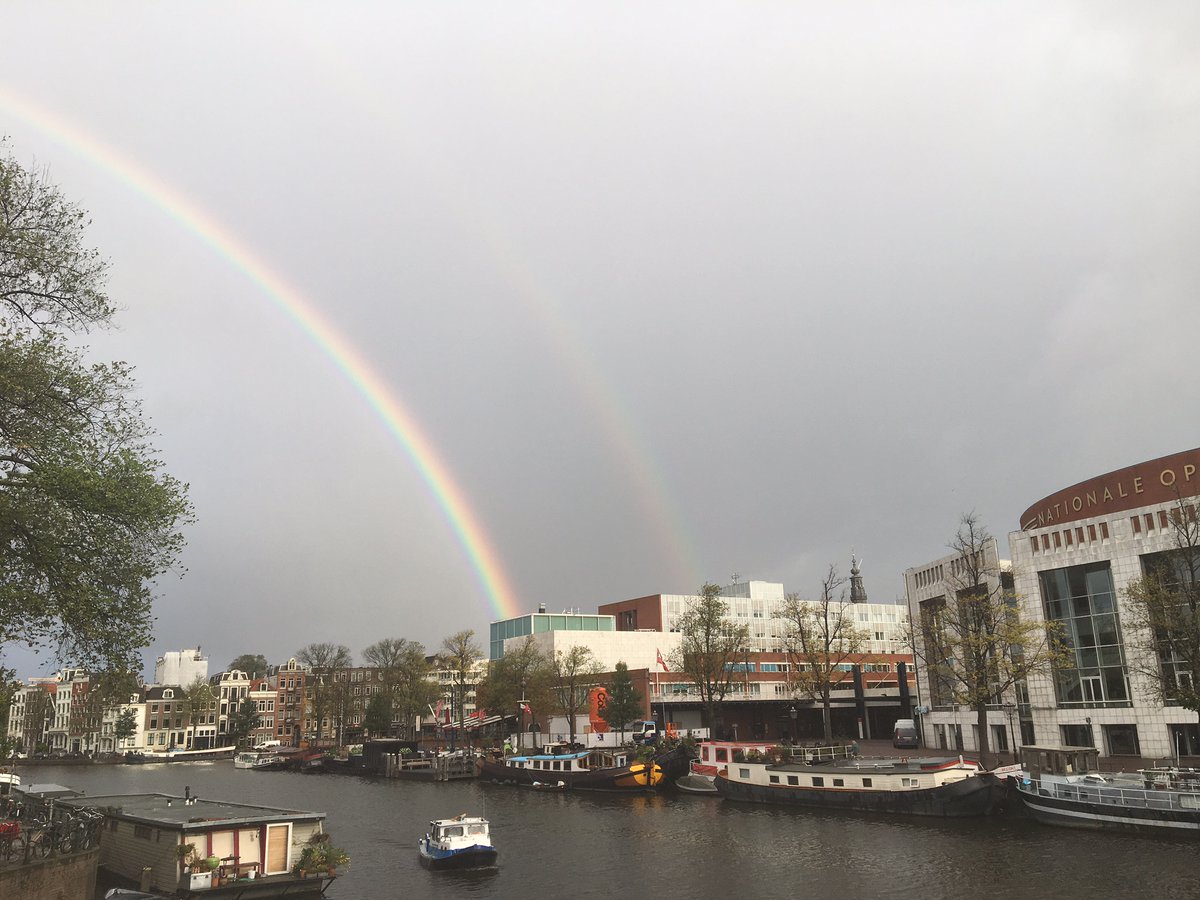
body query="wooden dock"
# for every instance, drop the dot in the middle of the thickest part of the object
(429, 768)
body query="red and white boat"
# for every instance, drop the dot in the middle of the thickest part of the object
(715, 756)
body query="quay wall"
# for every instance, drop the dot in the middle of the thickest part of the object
(68, 877)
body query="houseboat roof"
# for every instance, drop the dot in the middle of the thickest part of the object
(578, 754)
(880, 766)
(190, 813)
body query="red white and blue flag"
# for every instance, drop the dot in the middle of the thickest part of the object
(662, 662)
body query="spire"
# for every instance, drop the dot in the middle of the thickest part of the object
(858, 593)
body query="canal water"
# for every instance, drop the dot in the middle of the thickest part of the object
(668, 845)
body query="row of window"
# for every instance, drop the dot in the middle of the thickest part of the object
(1068, 537)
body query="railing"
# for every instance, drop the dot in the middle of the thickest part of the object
(1131, 798)
(814, 755)
(32, 830)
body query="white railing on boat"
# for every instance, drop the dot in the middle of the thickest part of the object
(1133, 798)
(812, 755)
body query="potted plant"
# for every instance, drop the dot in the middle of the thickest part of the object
(319, 855)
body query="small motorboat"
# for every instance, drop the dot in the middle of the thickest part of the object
(464, 842)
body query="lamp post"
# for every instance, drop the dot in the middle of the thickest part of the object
(793, 712)
(1009, 708)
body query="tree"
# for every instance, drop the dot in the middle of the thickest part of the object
(973, 643)
(404, 675)
(460, 655)
(378, 717)
(324, 662)
(709, 646)
(253, 664)
(39, 711)
(819, 637)
(88, 519)
(523, 673)
(199, 698)
(125, 726)
(243, 721)
(1164, 614)
(624, 702)
(574, 673)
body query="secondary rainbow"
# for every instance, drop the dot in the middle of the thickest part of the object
(383, 399)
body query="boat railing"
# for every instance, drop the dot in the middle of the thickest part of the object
(813, 755)
(1129, 797)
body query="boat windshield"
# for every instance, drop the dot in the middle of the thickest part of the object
(477, 829)
(452, 831)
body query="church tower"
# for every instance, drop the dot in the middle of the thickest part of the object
(858, 593)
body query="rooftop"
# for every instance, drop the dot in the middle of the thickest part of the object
(189, 812)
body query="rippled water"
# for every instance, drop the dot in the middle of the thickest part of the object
(671, 845)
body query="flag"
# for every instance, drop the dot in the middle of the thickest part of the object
(662, 662)
(437, 713)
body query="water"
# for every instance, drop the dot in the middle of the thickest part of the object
(672, 845)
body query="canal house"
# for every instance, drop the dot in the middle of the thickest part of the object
(255, 846)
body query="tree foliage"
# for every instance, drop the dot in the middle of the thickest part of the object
(407, 689)
(460, 655)
(820, 636)
(253, 664)
(243, 720)
(126, 724)
(973, 643)
(88, 518)
(1164, 614)
(522, 673)
(199, 699)
(710, 643)
(624, 703)
(574, 673)
(324, 660)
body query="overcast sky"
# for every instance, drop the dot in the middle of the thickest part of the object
(673, 290)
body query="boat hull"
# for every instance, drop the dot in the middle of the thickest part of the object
(476, 857)
(1069, 813)
(638, 776)
(972, 796)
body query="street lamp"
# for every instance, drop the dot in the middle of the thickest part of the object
(793, 712)
(1008, 708)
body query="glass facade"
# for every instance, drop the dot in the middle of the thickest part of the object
(540, 623)
(1082, 599)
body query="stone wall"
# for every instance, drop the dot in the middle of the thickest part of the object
(71, 877)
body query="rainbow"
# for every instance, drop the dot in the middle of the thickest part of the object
(383, 400)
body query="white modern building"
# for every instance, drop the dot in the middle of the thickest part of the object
(181, 667)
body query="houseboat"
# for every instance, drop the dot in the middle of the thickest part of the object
(260, 759)
(258, 848)
(463, 842)
(712, 756)
(920, 787)
(561, 765)
(1063, 786)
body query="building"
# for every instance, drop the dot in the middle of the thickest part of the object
(1074, 557)
(944, 724)
(181, 667)
(289, 683)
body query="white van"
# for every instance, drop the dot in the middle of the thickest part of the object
(905, 735)
(268, 745)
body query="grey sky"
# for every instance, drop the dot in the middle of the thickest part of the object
(676, 290)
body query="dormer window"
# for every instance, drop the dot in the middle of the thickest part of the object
(168, 694)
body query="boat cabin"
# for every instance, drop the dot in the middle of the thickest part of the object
(1039, 761)
(460, 831)
(558, 758)
(144, 831)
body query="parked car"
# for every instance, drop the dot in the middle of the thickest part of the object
(905, 735)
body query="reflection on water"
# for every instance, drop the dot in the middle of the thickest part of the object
(673, 845)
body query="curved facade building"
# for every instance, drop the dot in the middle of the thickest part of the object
(1072, 560)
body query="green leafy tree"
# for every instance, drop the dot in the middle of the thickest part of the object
(199, 699)
(88, 519)
(243, 721)
(126, 725)
(377, 720)
(820, 636)
(253, 664)
(523, 673)
(710, 642)
(325, 661)
(624, 703)
(574, 673)
(405, 669)
(461, 656)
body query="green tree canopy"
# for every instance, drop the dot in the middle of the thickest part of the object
(88, 519)
(710, 642)
(522, 673)
(460, 654)
(407, 686)
(253, 664)
(624, 703)
(574, 673)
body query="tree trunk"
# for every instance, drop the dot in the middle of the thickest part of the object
(982, 728)
(827, 715)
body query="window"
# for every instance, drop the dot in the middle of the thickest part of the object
(867, 782)
(793, 779)
(1082, 600)
(1122, 740)
(839, 782)
(818, 781)
(141, 831)
(743, 773)
(774, 779)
